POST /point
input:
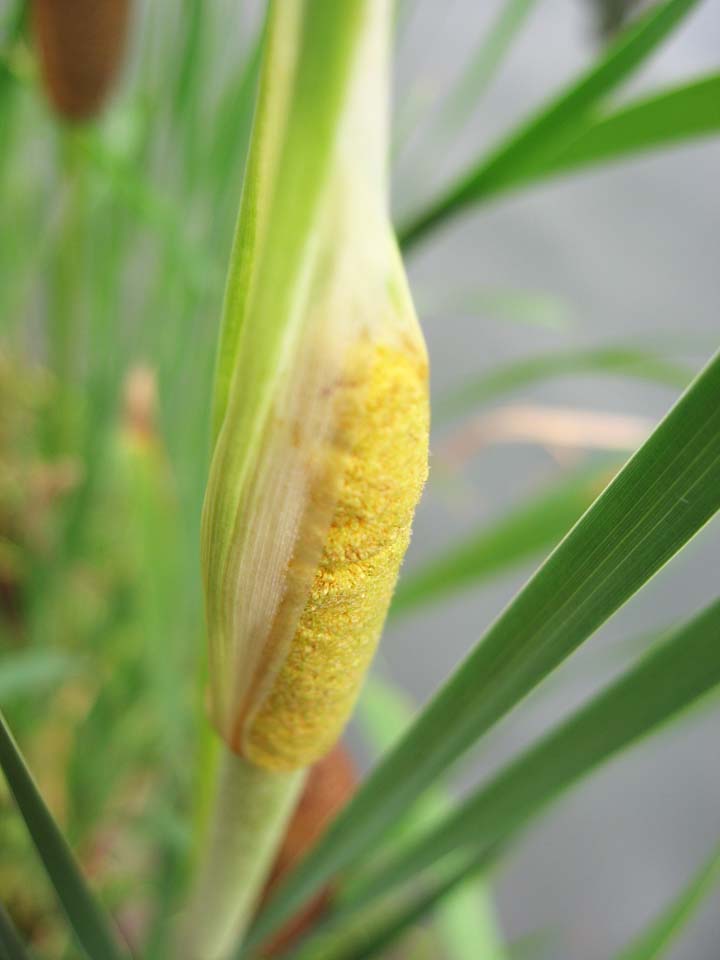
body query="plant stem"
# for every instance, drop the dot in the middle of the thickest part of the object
(66, 290)
(252, 807)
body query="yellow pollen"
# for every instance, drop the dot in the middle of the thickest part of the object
(383, 435)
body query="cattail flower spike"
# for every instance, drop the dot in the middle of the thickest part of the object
(321, 423)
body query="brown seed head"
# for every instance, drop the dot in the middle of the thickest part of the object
(80, 45)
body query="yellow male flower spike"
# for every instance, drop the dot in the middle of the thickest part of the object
(321, 408)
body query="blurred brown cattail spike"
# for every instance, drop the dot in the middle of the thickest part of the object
(80, 47)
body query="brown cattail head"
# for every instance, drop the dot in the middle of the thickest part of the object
(330, 785)
(80, 46)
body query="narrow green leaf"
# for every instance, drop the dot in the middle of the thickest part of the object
(662, 497)
(669, 679)
(11, 946)
(555, 124)
(639, 362)
(652, 943)
(537, 524)
(685, 112)
(91, 926)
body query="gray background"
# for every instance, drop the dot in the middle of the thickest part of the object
(627, 252)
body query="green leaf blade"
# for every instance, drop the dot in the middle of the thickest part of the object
(87, 919)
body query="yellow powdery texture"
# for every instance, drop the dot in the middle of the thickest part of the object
(383, 437)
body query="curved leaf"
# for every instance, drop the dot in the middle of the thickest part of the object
(685, 112)
(92, 928)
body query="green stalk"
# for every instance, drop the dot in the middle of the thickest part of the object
(252, 808)
(66, 290)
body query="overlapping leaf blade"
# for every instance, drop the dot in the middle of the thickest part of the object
(662, 497)
(674, 674)
(685, 112)
(669, 117)
(553, 127)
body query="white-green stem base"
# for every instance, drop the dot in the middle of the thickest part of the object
(252, 808)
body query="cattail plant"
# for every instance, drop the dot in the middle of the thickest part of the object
(235, 830)
(81, 45)
(321, 415)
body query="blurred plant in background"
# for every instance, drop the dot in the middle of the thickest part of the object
(112, 268)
